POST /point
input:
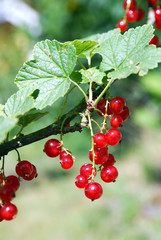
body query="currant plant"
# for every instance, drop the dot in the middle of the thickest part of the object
(55, 70)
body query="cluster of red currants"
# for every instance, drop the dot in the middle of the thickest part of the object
(10, 184)
(133, 14)
(157, 15)
(118, 112)
(53, 148)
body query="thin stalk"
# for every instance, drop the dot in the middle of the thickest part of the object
(96, 109)
(65, 101)
(81, 64)
(86, 98)
(3, 163)
(19, 132)
(97, 125)
(104, 124)
(90, 91)
(92, 136)
(89, 62)
(64, 120)
(19, 158)
(103, 92)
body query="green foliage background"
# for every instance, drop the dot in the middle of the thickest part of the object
(51, 207)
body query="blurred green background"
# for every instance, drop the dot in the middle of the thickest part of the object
(51, 207)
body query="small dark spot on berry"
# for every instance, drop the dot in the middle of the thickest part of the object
(13, 195)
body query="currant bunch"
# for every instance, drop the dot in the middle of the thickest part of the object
(117, 112)
(132, 14)
(9, 186)
(53, 148)
(135, 14)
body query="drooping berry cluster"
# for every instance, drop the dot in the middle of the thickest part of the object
(157, 16)
(10, 184)
(53, 148)
(117, 111)
(135, 14)
(99, 155)
(132, 14)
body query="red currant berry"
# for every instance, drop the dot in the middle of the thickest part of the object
(158, 24)
(152, 1)
(117, 104)
(14, 181)
(81, 181)
(130, 5)
(131, 15)
(116, 121)
(101, 155)
(123, 25)
(87, 170)
(125, 113)
(110, 161)
(8, 211)
(7, 193)
(99, 140)
(113, 136)
(93, 190)
(67, 162)
(32, 175)
(24, 168)
(109, 174)
(65, 154)
(1, 218)
(157, 13)
(52, 148)
(154, 41)
(1, 178)
(141, 14)
(101, 105)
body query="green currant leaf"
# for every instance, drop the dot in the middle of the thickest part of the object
(19, 103)
(29, 118)
(2, 113)
(6, 124)
(49, 71)
(150, 59)
(129, 53)
(101, 37)
(97, 38)
(83, 46)
(76, 76)
(92, 75)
